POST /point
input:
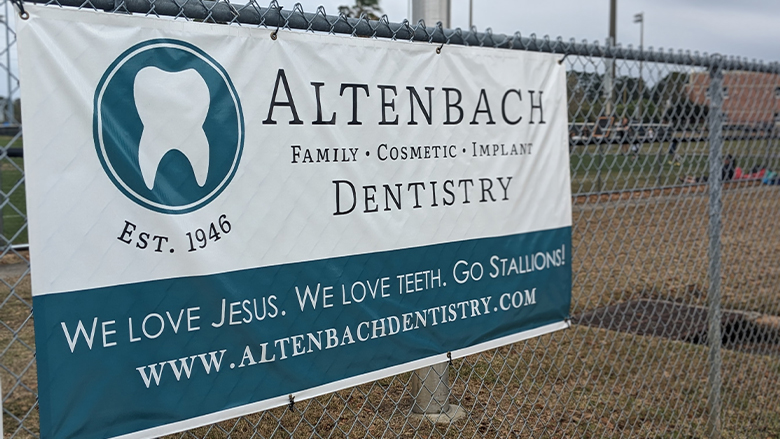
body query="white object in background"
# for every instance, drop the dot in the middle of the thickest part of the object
(432, 11)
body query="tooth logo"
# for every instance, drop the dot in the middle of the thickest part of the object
(168, 126)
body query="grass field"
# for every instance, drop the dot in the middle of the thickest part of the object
(582, 382)
(15, 210)
(600, 168)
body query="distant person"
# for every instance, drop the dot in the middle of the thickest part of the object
(726, 171)
(625, 123)
(729, 167)
(673, 150)
(635, 148)
(771, 177)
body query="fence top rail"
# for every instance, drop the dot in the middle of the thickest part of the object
(275, 16)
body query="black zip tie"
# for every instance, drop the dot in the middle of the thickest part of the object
(560, 61)
(438, 49)
(291, 406)
(278, 24)
(22, 13)
(449, 356)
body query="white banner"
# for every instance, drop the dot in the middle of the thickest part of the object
(297, 200)
(196, 190)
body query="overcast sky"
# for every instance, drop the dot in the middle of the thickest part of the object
(746, 28)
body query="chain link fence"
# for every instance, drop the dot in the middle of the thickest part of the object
(676, 208)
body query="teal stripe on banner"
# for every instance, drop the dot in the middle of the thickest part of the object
(126, 358)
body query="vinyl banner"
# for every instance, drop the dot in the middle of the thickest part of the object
(221, 220)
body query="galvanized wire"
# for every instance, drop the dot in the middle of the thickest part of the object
(659, 244)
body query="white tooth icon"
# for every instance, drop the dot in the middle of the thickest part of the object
(172, 108)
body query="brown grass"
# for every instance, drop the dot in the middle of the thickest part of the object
(18, 372)
(583, 382)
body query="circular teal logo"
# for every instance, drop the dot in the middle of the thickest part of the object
(168, 126)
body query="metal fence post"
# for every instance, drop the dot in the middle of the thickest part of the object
(715, 218)
(8, 119)
(431, 388)
(431, 391)
(600, 164)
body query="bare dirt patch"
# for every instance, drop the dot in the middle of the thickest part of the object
(740, 330)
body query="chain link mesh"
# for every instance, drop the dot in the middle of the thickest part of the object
(636, 361)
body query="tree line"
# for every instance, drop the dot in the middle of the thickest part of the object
(666, 101)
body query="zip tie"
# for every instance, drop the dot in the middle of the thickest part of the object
(560, 61)
(22, 13)
(438, 49)
(291, 406)
(449, 356)
(278, 25)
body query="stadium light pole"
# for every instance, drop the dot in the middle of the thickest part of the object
(611, 42)
(609, 77)
(640, 18)
(613, 21)
(471, 14)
